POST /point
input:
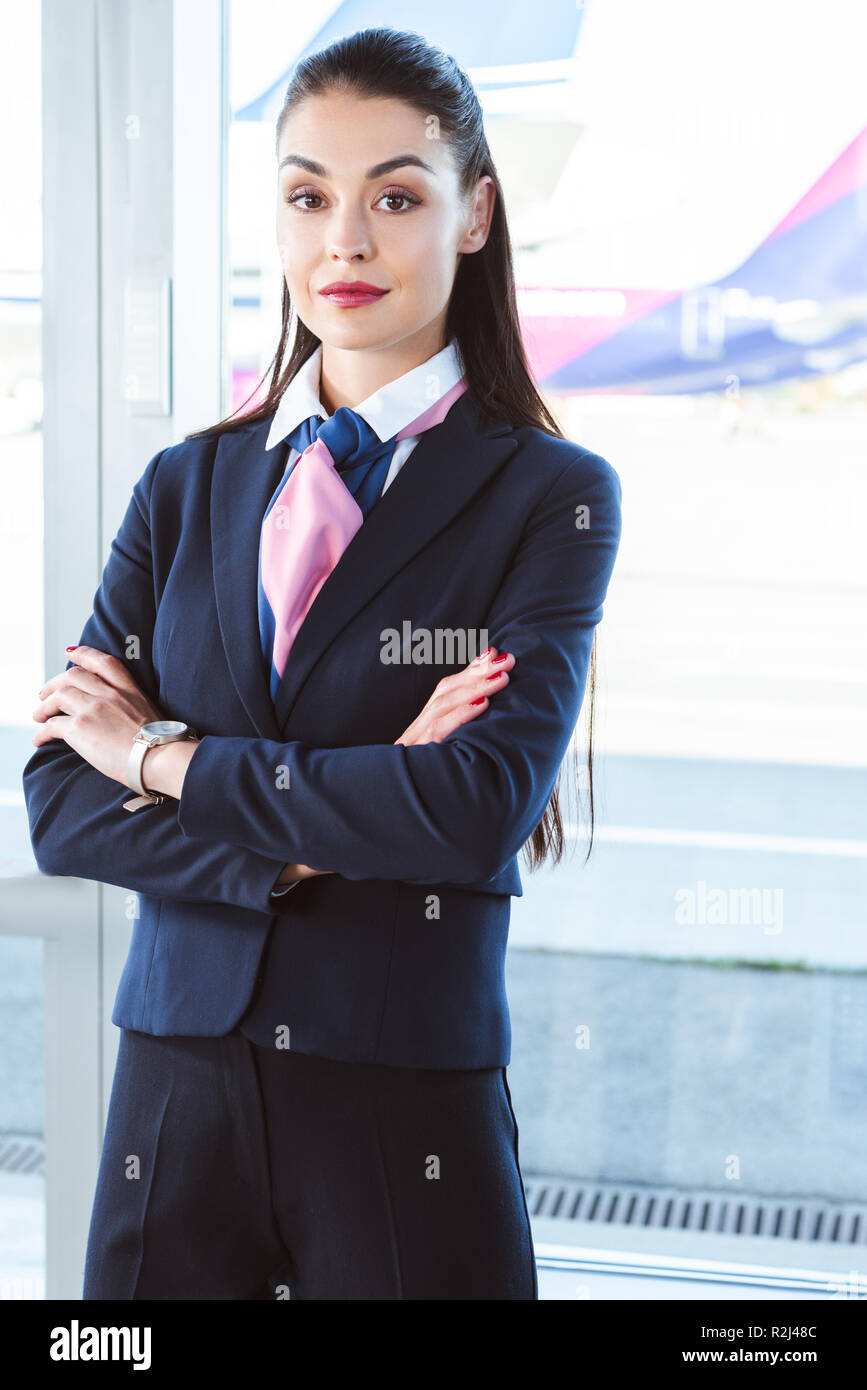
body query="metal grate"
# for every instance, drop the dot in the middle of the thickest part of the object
(807, 1219)
(22, 1153)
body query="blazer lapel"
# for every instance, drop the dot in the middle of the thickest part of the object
(447, 467)
(243, 480)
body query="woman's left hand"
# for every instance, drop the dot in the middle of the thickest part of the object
(97, 709)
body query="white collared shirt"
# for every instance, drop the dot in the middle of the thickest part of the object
(387, 411)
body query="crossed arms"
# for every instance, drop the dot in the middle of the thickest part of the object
(455, 812)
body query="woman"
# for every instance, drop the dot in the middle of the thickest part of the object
(310, 1098)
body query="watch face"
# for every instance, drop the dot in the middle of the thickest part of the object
(164, 728)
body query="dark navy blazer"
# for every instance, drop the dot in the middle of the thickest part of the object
(397, 956)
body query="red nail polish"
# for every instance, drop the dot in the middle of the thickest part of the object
(485, 652)
(494, 677)
(480, 701)
(72, 649)
(501, 657)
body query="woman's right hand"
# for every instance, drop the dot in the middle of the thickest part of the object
(455, 701)
(459, 698)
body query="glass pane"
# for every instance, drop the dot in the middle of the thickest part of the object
(21, 624)
(22, 1196)
(22, 1182)
(690, 1006)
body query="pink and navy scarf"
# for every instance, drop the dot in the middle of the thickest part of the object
(316, 509)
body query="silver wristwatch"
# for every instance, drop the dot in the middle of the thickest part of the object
(148, 736)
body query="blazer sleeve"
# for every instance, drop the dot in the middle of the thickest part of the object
(78, 827)
(459, 810)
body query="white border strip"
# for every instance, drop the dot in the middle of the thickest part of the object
(724, 839)
(574, 1259)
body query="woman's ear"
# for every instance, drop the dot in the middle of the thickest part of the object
(481, 211)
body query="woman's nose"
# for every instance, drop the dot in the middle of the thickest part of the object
(349, 238)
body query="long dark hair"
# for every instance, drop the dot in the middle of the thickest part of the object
(482, 314)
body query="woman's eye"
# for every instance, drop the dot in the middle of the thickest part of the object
(398, 195)
(305, 194)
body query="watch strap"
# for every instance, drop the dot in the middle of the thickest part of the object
(152, 799)
(134, 766)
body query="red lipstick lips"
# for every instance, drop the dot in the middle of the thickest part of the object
(349, 294)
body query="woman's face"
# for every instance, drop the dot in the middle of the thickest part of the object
(343, 216)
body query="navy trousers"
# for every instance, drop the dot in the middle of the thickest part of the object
(233, 1171)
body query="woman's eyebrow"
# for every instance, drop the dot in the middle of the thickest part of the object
(376, 172)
